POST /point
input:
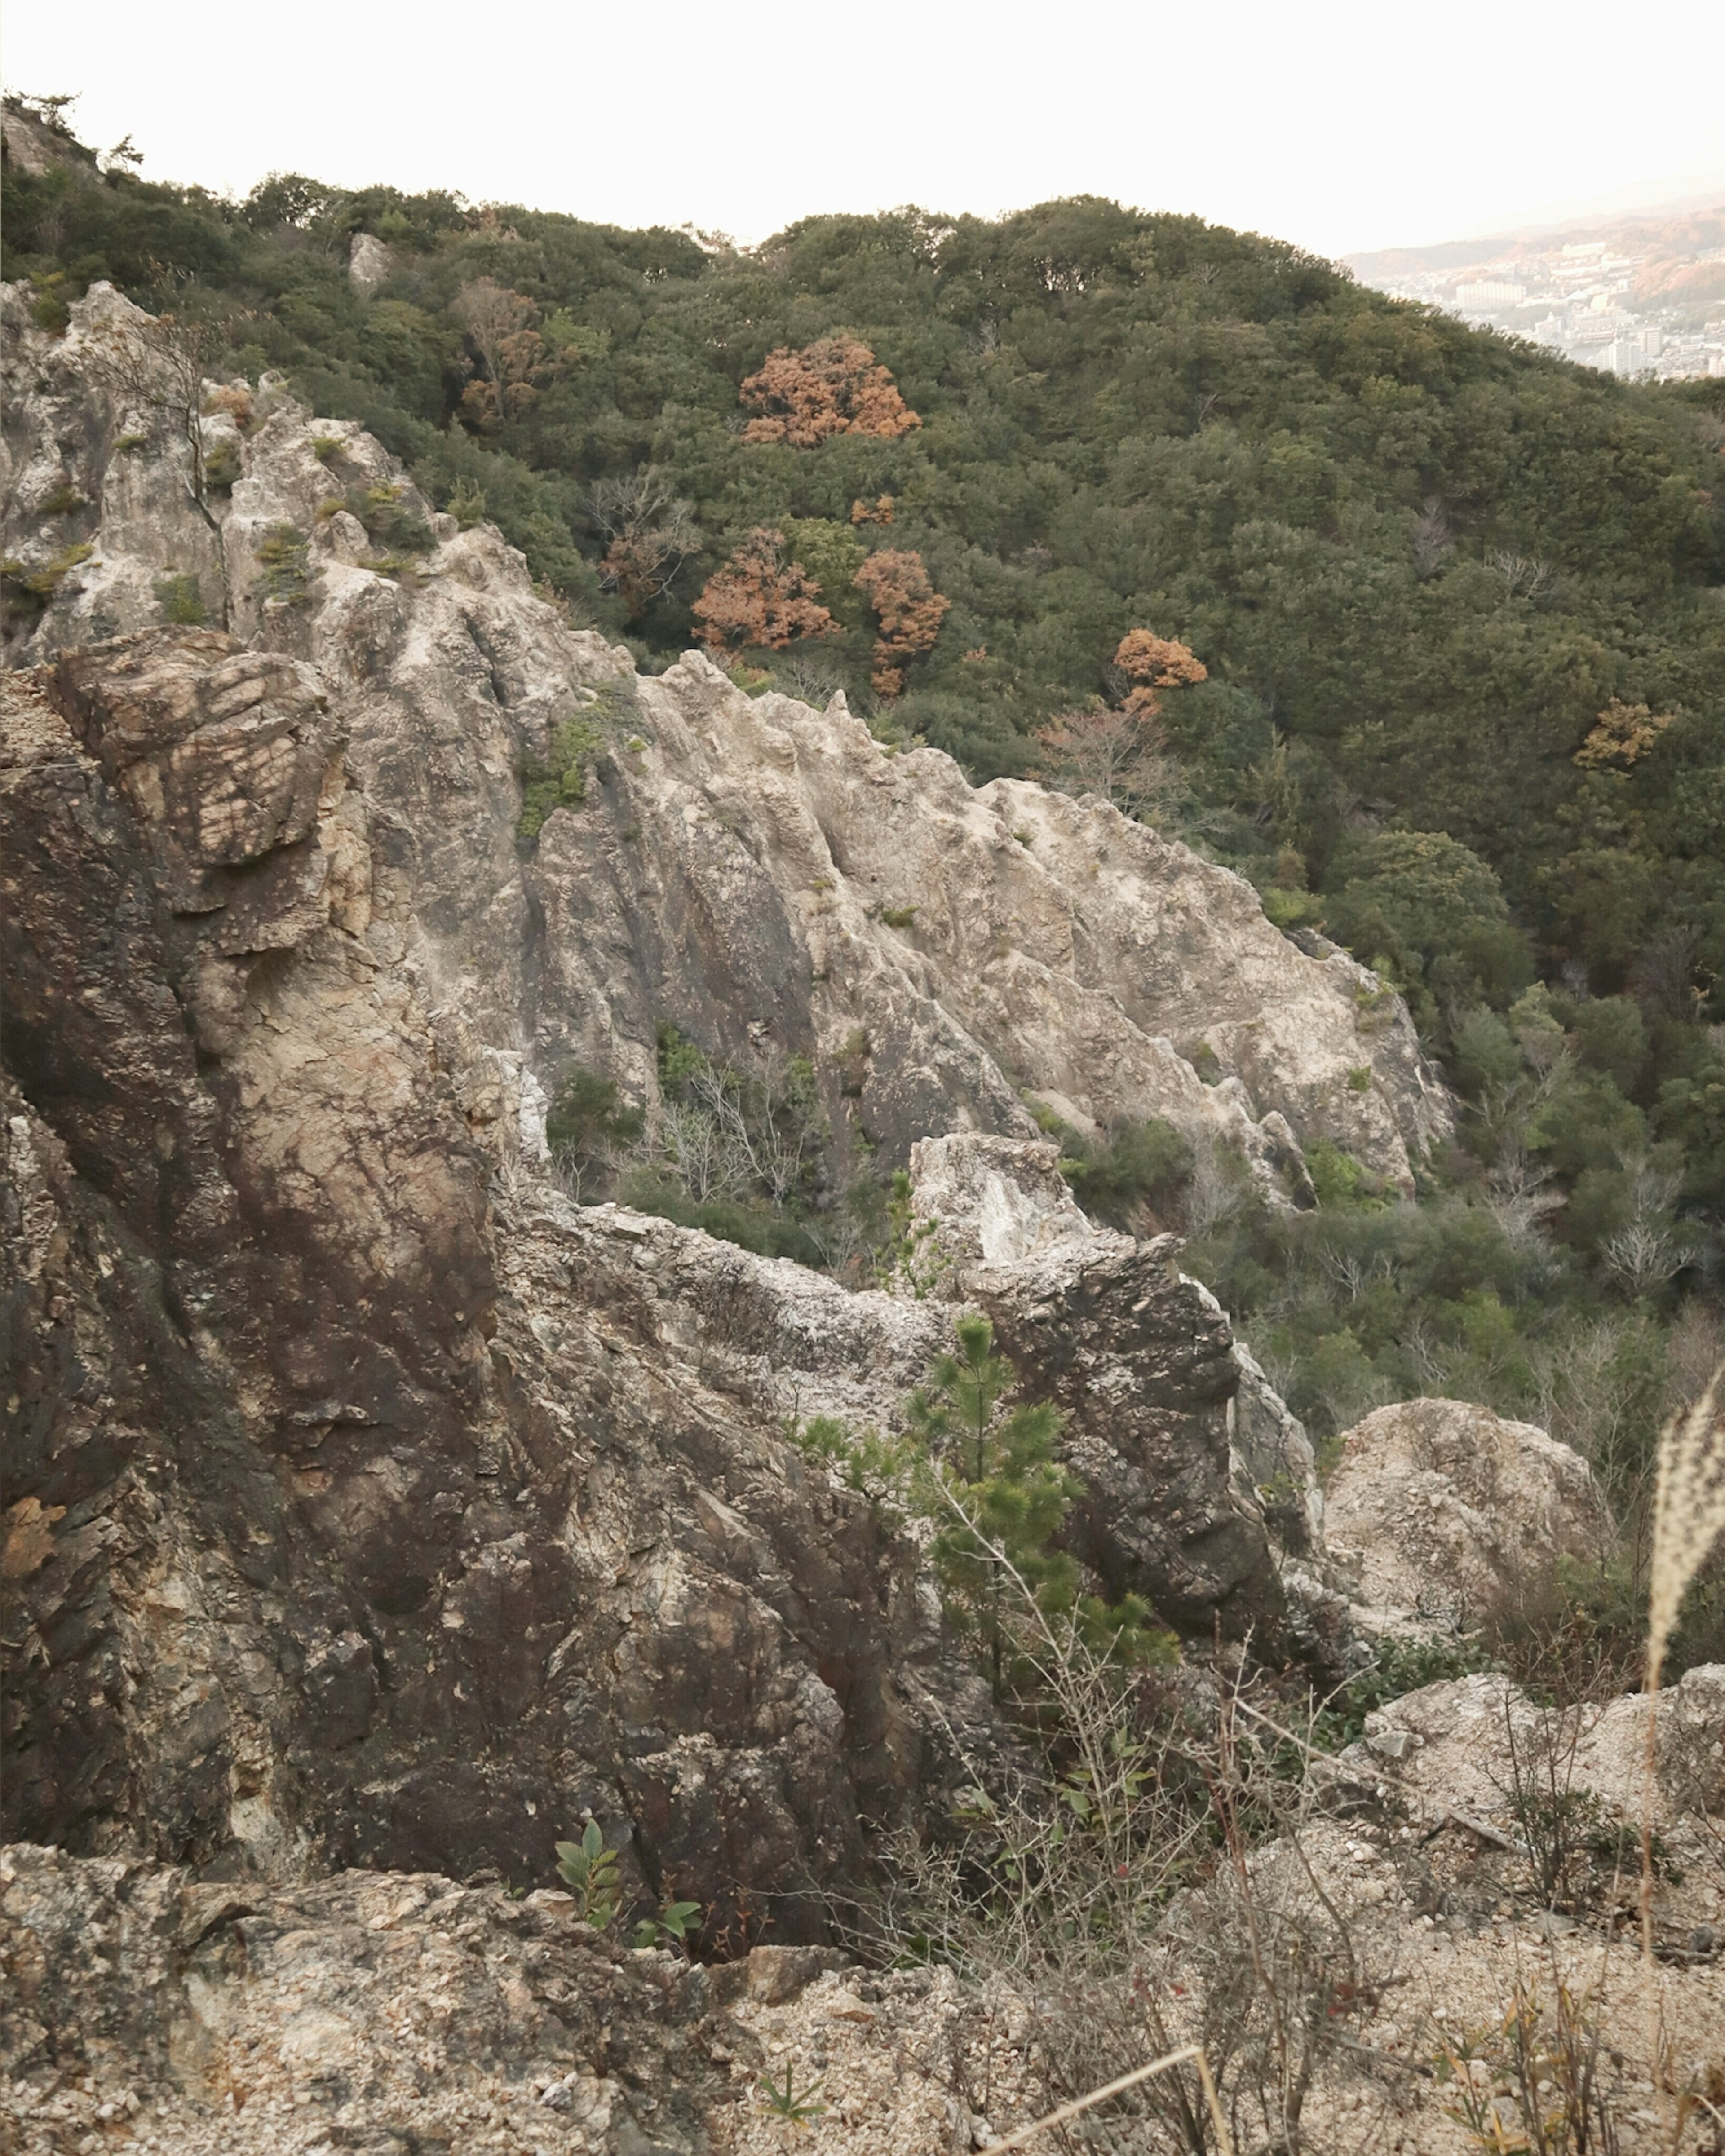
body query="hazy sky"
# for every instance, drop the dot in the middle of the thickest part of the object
(1338, 124)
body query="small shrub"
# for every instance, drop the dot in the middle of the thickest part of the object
(589, 1872)
(1140, 1166)
(50, 311)
(561, 781)
(125, 445)
(223, 467)
(234, 400)
(65, 501)
(589, 1121)
(1359, 1078)
(41, 580)
(899, 917)
(467, 505)
(180, 599)
(282, 556)
(325, 446)
(390, 523)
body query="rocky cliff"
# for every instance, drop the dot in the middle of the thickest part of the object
(371, 1503)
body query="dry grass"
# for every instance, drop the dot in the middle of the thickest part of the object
(1688, 1512)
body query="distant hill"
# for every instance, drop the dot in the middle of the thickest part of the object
(1673, 234)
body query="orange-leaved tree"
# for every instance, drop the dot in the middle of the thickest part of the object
(1151, 663)
(910, 611)
(832, 387)
(760, 601)
(500, 323)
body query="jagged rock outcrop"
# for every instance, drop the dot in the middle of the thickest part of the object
(1444, 1512)
(752, 871)
(372, 1504)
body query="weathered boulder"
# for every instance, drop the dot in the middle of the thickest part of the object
(1479, 1745)
(1443, 1511)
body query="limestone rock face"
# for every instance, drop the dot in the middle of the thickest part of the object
(1462, 1743)
(369, 262)
(756, 872)
(370, 1503)
(1443, 1509)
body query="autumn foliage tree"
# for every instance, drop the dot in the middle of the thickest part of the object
(1122, 754)
(832, 387)
(909, 609)
(500, 325)
(760, 601)
(1151, 662)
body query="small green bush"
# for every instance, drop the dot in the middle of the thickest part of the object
(180, 599)
(223, 467)
(561, 781)
(41, 580)
(282, 556)
(1140, 1164)
(391, 524)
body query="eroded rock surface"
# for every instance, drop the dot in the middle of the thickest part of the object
(1479, 1746)
(370, 1503)
(375, 2011)
(1443, 1510)
(755, 871)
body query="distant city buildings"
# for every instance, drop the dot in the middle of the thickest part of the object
(1647, 300)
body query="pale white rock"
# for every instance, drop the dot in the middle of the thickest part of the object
(1444, 1510)
(369, 262)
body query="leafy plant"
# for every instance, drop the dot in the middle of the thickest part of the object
(589, 1872)
(223, 467)
(999, 1500)
(676, 1920)
(800, 2107)
(391, 523)
(561, 781)
(282, 553)
(41, 580)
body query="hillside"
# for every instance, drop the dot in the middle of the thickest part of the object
(1457, 606)
(656, 1489)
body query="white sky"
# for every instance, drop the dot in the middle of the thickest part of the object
(1338, 124)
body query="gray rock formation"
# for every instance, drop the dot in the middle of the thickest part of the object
(1443, 1512)
(749, 869)
(374, 2011)
(372, 1504)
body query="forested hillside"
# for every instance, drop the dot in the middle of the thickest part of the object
(1456, 607)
